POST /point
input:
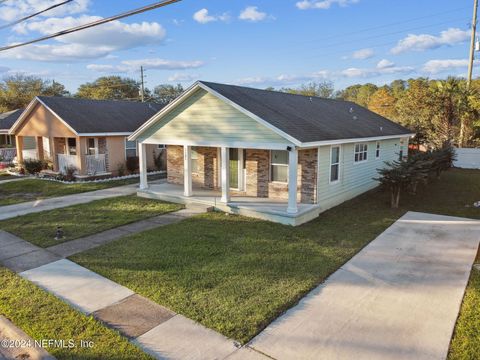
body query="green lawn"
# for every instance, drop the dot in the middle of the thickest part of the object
(236, 274)
(43, 316)
(35, 189)
(85, 219)
(465, 343)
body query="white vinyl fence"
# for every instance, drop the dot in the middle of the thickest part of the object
(467, 158)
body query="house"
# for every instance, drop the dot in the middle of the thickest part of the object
(7, 142)
(267, 154)
(90, 135)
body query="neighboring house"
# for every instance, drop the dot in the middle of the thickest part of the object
(90, 135)
(7, 142)
(267, 154)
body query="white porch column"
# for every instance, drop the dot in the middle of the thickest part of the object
(187, 170)
(225, 159)
(292, 181)
(142, 159)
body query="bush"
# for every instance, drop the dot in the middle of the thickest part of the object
(121, 170)
(132, 164)
(33, 166)
(407, 174)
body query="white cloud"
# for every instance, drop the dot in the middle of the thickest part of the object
(129, 66)
(92, 43)
(385, 64)
(284, 79)
(4, 69)
(12, 10)
(423, 42)
(323, 4)
(384, 67)
(203, 17)
(438, 66)
(179, 77)
(251, 13)
(363, 54)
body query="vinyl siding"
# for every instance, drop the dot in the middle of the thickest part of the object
(355, 178)
(205, 118)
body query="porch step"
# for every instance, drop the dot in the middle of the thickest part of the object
(199, 207)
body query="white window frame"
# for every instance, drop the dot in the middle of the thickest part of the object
(378, 149)
(95, 146)
(130, 148)
(271, 164)
(332, 164)
(364, 151)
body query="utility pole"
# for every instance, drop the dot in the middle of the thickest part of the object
(472, 43)
(142, 91)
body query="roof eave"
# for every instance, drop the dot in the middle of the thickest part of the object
(353, 140)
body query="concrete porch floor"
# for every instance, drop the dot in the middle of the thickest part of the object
(260, 208)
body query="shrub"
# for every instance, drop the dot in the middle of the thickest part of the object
(121, 169)
(33, 166)
(132, 164)
(70, 173)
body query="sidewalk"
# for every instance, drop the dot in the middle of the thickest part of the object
(11, 211)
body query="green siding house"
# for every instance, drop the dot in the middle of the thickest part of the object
(267, 154)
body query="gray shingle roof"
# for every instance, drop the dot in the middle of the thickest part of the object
(310, 119)
(8, 119)
(101, 116)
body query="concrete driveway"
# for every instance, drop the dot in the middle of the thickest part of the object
(398, 298)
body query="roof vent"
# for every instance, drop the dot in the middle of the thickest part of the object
(311, 99)
(351, 110)
(355, 117)
(381, 128)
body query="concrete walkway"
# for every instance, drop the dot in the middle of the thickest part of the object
(398, 298)
(10, 211)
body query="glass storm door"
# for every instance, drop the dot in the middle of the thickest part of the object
(234, 168)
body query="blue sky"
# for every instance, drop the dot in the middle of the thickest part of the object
(256, 43)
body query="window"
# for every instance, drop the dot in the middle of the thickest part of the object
(361, 151)
(194, 162)
(72, 146)
(279, 165)
(334, 163)
(130, 148)
(161, 146)
(91, 148)
(377, 150)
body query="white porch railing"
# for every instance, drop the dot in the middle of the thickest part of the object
(29, 154)
(65, 161)
(8, 154)
(96, 164)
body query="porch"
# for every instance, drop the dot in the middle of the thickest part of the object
(260, 208)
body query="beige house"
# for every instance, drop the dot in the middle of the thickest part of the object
(267, 154)
(89, 135)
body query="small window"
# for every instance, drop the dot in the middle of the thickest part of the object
(279, 165)
(161, 146)
(72, 146)
(361, 151)
(377, 150)
(91, 146)
(130, 148)
(335, 164)
(194, 162)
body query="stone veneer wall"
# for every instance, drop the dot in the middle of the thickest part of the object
(257, 173)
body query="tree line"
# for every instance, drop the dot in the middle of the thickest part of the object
(438, 111)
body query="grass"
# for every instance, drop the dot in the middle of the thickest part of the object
(82, 220)
(43, 316)
(35, 189)
(465, 342)
(236, 274)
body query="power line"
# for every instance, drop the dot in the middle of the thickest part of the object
(35, 14)
(94, 23)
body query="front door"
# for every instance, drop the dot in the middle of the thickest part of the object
(234, 158)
